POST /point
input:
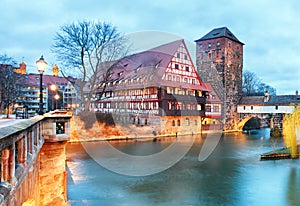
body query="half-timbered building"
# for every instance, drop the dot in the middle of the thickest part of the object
(159, 88)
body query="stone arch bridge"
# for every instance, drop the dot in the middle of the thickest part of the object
(269, 111)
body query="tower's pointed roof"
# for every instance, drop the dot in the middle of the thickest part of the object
(218, 33)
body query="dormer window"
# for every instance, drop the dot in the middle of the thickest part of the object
(120, 74)
(137, 69)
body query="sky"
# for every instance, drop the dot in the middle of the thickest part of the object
(270, 29)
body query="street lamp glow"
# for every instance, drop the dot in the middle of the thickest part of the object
(53, 87)
(56, 97)
(41, 65)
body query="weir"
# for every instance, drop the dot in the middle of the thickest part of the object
(32, 160)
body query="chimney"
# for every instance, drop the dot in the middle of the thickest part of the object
(267, 96)
(55, 70)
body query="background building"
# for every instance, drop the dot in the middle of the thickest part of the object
(27, 103)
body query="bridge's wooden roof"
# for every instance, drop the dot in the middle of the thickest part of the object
(274, 100)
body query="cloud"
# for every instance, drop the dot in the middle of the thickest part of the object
(268, 29)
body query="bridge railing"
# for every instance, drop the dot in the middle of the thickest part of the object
(32, 157)
(20, 144)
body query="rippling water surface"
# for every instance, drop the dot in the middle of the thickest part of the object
(232, 175)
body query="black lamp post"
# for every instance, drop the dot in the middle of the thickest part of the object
(41, 66)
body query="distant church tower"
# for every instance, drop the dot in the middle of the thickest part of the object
(55, 70)
(220, 62)
(21, 69)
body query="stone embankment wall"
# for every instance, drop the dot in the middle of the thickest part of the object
(169, 126)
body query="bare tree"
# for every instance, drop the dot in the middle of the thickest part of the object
(250, 81)
(9, 81)
(89, 50)
(252, 85)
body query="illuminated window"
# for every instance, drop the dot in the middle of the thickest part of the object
(187, 122)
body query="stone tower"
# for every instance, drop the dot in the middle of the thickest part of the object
(220, 62)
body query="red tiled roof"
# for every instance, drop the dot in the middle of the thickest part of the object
(150, 66)
(169, 48)
(34, 80)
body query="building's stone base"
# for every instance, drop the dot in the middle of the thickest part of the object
(180, 125)
(168, 126)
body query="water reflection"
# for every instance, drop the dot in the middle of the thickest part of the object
(293, 186)
(231, 175)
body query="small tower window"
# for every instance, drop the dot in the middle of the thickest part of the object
(176, 66)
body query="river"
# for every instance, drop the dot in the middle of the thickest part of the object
(232, 175)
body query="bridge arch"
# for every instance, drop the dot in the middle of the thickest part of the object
(256, 122)
(242, 123)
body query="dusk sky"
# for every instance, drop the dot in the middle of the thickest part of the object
(269, 28)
